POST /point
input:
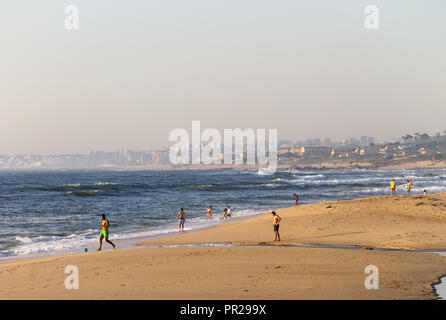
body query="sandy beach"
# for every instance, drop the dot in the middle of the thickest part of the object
(261, 270)
(417, 222)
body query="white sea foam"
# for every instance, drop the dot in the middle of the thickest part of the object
(105, 184)
(23, 239)
(90, 237)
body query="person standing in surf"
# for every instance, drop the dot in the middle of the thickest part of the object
(393, 187)
(105, 232)
(276, 221)
(296, 199)
(225, 213)
(209, 212)
(229, 212)
(409, 186)
(181, 220)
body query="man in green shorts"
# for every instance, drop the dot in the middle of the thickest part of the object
(104, 232)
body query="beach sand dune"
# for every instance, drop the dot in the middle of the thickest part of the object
(261, 271)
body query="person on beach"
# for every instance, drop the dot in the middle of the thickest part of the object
(105, 232)
(409, 186)
(225, 213)
(181, 220)
(296, 199)
(393, 187)
(209, 212)
(229, 212)
(276, 221)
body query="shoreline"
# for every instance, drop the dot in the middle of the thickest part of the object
(124, 243)
(172, 267)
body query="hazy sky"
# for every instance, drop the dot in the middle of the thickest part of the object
(135, 70)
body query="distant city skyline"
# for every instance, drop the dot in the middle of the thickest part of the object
(134, 71)
(408, 147)
(323, 141)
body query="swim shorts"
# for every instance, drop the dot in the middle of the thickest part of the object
(181, 222)
(105, 233)
(276, 227)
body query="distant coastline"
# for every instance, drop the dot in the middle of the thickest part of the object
(408, 153)
(328, 165)
(393, 164)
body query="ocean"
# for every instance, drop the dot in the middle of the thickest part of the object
(49, 212)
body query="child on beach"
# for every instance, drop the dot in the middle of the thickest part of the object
(225, 213)
(393, 187)
(296, 199)
(209, 212)
(409, 186)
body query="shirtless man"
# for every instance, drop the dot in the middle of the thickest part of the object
(276, 221)
(181, 220)
(104, 232)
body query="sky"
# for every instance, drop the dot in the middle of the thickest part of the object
(136, 70)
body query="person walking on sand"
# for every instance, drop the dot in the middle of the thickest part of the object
(276, 221)
(296, 199)
(229, 212)
(181, 220)
(105, 232)
(393, 187)
(209, 212)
